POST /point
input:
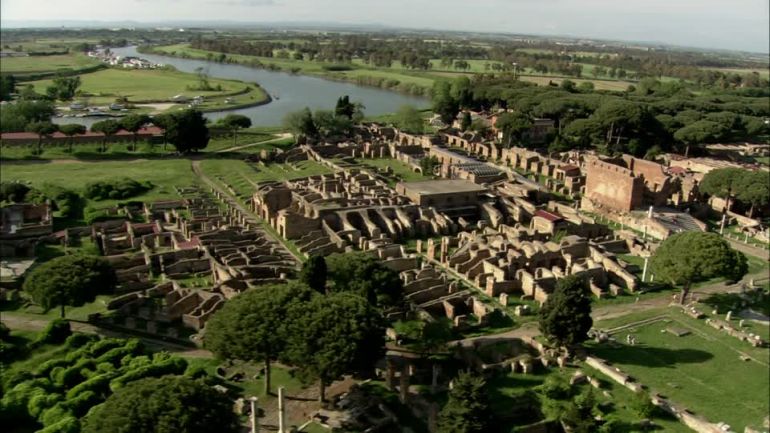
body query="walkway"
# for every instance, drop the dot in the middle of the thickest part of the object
(234, 203)
(279, 137)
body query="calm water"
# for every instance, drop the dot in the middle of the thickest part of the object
(290, 92)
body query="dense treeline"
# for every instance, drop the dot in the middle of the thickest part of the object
(649, 118)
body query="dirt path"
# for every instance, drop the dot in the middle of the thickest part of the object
(280, 136)
(233, 202)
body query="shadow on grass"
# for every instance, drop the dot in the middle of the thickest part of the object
(656, 357)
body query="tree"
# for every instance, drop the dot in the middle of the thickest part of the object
(444, 104)
(364, 275)
(63, 88)
(69, 280)
(568, 85)
(688, 257)
(565, 317)
(428, 164)
(344, 107)
(722, 183)
(467, 410)
(43, 129)
(187, 131)
(513, 125)
(301, 123)
(753, 188)
(234, 122)
(330, 124)
(465, 124)
(163, 120)
(408, 119)
(107, 127)
(71, 130)
(333, 335)
(314, 273)
(133, 123)
(700, 132)
(169, 404)
(16, 117)
(249, 326)
(7, 87)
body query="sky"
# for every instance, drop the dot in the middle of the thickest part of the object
(722, 24)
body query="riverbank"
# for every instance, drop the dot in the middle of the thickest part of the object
(406, 83)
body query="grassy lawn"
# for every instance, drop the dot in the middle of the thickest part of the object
(400, 169)
(74, 175)
(35, 312)
(31, 64)
(701, 371)
(85, 151)
(158, 85)
(243, 176)
(244, 137)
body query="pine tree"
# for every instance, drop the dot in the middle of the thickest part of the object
(467, 410)
(565, 318)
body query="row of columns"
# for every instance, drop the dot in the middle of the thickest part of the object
(281, 413)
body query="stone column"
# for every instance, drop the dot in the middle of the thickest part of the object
(281, 412)
(404, 383)
(722, 224)
(254, 421)
(434, 379)
(390, 374)
(644, 270)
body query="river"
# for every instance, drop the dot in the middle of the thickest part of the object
(290, 92)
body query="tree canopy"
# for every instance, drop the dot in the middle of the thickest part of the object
(250, 326)
(408, 119)
(170, 404)
(467, 410)
(688, 257)
(234, 122)
(565, 317)
(333, 335)
(301, 123)
(69, 280)
(364, 275)
(63, 88)
(187, 131)
(314, 273)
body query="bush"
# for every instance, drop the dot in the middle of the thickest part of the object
(41, 402)
(103, 346)
(83, 402)
(55, 414)
(46, 368)
(116, 189)
(156, 369)
(338, 68)
(56, 332)
(68, 424)
(14, 192)
(78, 340)
(73, 375)
(114, 356)
(99, 385)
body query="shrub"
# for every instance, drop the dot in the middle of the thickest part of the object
(69, 280)
(73, 375)
(55, 414)
(114, 356)
(15, 192)
(83, 402)
(116, 189)
(78, 340)
(97, 384)
(40, 402)
(45, 369)
(338, 68)
(68, 424)
(103, 346)
(56, 332)
(156, 369)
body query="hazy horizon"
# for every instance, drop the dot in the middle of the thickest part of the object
(740, 25)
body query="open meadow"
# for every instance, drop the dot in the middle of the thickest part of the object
(155, 85)
(34, 64)
(702, 370)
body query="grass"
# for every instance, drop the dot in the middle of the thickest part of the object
(35, 312)
(701, 371)
(84, 151)
(244, 137)
(279, 376)
(35, 64)
(74, 175)
(153, 85)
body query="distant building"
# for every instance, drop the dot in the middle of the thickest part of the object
(21, 225)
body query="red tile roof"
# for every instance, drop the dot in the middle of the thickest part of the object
(150, 130)
(548, 216)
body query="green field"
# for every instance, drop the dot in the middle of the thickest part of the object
(400, 169)
(243, 176)
(74, 175)
(702, 371)
(26, 65)
(156, 85)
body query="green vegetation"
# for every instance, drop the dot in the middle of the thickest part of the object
(148, 86)
(53, 63)
(689, 257)
(693, 369)
(467, 410)
(164, 405)
(69, 280)
(565, 318)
